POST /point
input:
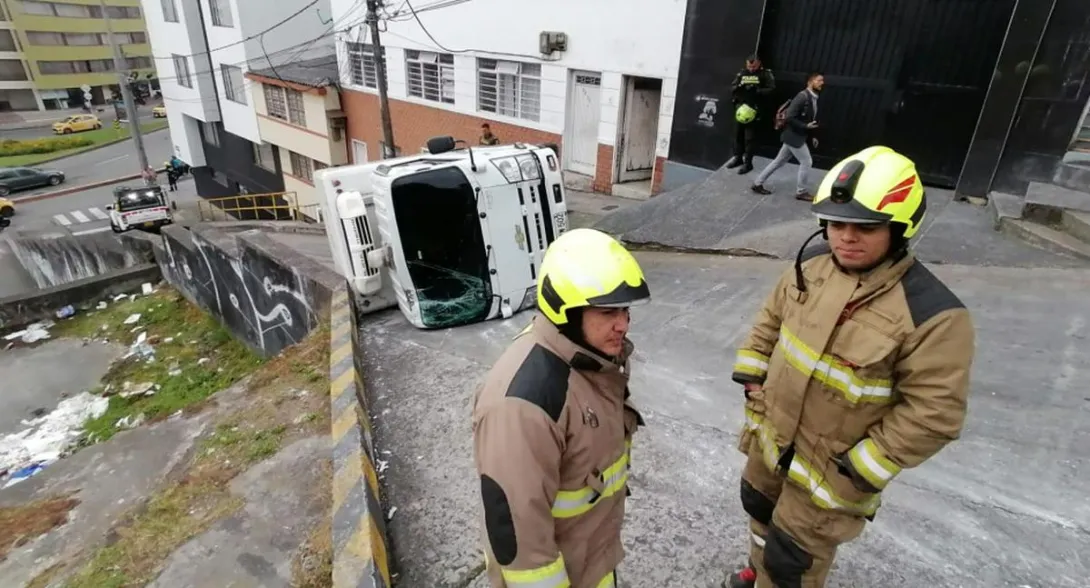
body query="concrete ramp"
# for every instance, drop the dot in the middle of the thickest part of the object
(55, 257)
(721, 215)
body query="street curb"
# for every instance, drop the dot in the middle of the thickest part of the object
(96, 147)
(360, 549)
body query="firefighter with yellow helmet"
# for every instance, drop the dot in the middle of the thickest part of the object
(553, 425)
(856, 369)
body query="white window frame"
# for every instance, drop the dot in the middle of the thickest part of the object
(211, 133)
(430, 75)
(233, 89)
(358, 147)
(221, 13)
(297, 107)
(362, 67)
(276, 104)
(302, 167)
(170, 11)
(181, 70)
(261, 152)
(509, 88)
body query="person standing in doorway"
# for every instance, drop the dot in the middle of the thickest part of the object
(800, 124)
(749, 92)
(487, 138)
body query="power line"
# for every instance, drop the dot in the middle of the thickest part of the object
(423, 28)
(250, 38)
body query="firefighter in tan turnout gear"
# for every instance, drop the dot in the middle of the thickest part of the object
(856, 369)
(552, 424)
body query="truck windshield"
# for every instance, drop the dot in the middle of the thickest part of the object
(436, 213)
(138, 199)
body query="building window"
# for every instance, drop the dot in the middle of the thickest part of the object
(211, 133)
(301, 167)
(221, 13)
(38, 8)
(11, 70)
(275, 103)
(509, 88)
(264, 157)
(181, 70)
(297, 113)
(362, 66)
(232, 83)
(7, 42)
(138, 63)
(44, 38)
(170, 12)
(430, 75)
(82, 39)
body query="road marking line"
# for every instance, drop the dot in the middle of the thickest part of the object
(98, 213)
(60, 218)
(89, 231)
(79, 216)
(112, 159)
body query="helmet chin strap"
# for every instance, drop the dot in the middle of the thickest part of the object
(898, 249)
(573, 330)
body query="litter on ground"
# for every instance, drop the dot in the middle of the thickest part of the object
(132, 319)
(47, 438)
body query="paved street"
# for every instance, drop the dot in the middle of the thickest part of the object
(46, 130)
(1004, 506)
(108, 162)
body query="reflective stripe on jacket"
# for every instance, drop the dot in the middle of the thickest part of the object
(869, 370)
(552, 433)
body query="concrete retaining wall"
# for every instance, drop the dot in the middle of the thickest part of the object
(24, 309)
(53, 258)
(265, 293)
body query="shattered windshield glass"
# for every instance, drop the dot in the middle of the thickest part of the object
(436, 213)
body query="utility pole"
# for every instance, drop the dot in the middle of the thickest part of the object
(126, 91)
(380, 70)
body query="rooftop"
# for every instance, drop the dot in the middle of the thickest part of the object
(319, 72)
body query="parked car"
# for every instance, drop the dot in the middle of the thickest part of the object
(23, 178)
(159, 111)
(7, 208)
(77, 123)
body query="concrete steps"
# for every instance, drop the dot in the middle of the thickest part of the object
(1052, 217)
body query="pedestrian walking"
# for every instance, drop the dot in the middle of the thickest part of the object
(149, 176)
(856, 369)
(553, 425)
(800, 124)
(749, 93)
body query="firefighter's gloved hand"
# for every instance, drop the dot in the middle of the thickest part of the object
(844, 466)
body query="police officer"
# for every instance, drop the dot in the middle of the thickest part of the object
(748, 92)
(856, 369)
(552, 424)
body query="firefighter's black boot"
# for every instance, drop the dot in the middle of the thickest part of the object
(743, 578)
(734, 162)
(747, 166)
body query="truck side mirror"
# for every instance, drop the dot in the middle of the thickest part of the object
(437, 145)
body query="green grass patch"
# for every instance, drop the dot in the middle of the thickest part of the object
(195, 357)
(104, 136)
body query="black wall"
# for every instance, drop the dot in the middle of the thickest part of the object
(1051, 106)
(231, 166)
(719, 34)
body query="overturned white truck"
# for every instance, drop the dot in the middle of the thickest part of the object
(452, 236)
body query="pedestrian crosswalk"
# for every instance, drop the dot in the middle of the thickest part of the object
(79, 216)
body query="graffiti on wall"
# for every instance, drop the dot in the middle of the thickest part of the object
(257, 298)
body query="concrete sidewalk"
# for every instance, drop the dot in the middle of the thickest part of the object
(1011, 481)
(721, 215)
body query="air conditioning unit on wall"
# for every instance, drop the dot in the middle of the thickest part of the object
(550, 42)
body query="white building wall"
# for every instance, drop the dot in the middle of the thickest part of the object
(613, 37)
(197, 103)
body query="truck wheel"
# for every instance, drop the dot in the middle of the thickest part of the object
(115, 229)
(7, 211)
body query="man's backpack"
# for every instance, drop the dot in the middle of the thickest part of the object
(781, 116)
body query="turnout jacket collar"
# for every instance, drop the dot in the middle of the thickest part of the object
(577, 356)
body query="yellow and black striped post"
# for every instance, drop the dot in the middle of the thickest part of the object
(360, 554)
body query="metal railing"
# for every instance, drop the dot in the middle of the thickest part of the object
(270, 206)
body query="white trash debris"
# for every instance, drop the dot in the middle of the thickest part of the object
(130, 422)
(48, 437)
(203, 361)
(101, 305)
(132, 319)
(119, 297)
(146, 288)
(141, 389)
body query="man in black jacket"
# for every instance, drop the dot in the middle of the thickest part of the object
(751, 87)
(797, 136)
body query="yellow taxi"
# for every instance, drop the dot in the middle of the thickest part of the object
(77, 123)
(159, 112)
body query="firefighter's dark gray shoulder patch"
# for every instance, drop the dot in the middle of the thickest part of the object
(542, 380)
(925, 295)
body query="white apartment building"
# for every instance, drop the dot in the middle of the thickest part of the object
(203, 50)
(599, 78)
